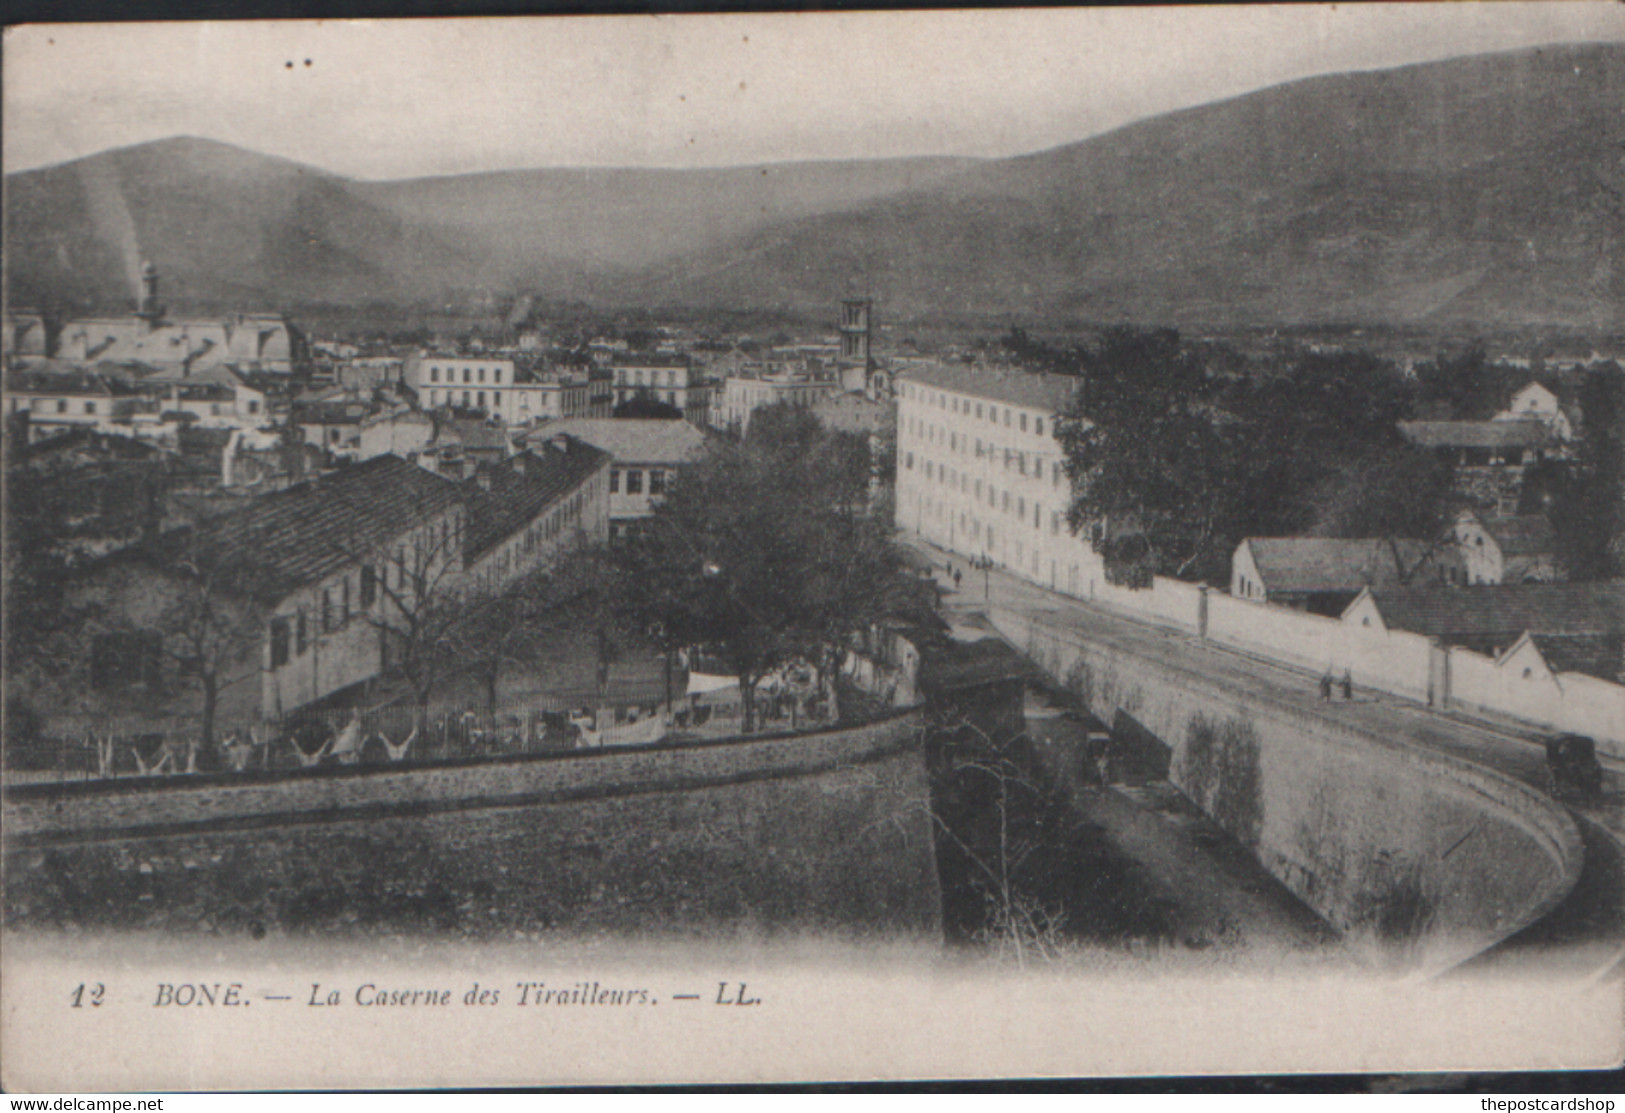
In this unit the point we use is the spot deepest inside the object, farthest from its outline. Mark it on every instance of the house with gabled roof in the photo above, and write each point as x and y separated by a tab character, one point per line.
1576	627
1537	402
646	455
303	587
523	510
1322	575
1513	548
59	397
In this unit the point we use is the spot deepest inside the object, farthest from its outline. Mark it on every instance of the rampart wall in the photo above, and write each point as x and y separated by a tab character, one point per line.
1423	858
821	832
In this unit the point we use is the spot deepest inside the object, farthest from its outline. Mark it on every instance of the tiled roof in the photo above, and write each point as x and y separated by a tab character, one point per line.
521	488
302	534
1018	388
1599	655
331	413
474	434
64	379
1295	565
1505	611
91	443
631	440
219	376
1477	434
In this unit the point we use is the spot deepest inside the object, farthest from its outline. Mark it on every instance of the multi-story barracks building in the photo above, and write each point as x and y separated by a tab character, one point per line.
980	473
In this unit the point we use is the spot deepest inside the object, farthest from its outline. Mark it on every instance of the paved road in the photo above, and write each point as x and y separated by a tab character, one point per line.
1592	916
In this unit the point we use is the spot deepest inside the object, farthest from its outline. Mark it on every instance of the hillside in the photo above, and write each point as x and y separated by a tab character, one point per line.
226	228
1482	190
1474	190
619	218
231	228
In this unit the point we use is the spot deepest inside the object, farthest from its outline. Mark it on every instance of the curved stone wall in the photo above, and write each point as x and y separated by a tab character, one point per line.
1417	858
826	832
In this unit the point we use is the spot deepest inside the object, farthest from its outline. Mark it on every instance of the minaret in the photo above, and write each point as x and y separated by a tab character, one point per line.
149	310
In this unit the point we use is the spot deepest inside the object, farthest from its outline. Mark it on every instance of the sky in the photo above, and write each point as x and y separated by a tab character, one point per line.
393	99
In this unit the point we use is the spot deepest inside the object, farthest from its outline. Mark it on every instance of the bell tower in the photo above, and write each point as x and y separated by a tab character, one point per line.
857	334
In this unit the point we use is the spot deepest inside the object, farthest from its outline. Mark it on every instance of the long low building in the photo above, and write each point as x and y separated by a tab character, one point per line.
980	472
646	455
318	587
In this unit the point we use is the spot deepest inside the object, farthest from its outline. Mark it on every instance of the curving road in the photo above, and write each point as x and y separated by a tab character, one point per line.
1584	936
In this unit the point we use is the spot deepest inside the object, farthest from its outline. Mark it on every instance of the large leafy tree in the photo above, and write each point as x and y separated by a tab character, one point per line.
764	551
1153	464
1171	466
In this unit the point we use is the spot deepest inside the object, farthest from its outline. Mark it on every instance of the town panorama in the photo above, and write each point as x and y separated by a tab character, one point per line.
1200	544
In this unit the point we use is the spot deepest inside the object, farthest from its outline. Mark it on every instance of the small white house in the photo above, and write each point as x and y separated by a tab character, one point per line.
1537	403
1506	549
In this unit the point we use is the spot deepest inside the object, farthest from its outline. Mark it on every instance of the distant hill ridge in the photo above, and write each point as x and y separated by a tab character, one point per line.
1479	190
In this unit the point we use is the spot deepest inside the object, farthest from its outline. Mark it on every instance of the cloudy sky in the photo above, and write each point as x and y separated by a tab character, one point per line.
397	99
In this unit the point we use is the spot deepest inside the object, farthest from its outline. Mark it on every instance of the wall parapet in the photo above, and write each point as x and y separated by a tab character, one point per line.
89	811
1394	661
1386	841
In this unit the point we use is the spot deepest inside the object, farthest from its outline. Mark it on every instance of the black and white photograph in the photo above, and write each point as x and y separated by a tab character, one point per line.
813	547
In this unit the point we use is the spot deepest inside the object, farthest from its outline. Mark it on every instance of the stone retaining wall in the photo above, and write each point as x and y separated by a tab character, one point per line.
1426	858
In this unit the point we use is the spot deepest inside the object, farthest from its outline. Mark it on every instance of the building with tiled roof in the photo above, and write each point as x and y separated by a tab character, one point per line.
260	341
1497	441
1489	459
1022	389
1324	574
1537	402
59	397
1515	548
305	586
1576	627
524	509
645	453
1491	618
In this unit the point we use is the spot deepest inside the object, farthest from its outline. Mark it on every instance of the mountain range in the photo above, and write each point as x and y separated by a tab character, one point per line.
1482	190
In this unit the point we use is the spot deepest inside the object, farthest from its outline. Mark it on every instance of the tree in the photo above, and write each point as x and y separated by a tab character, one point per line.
764	551
1171	467
996	818
514	626
1392	491
213	620
414	593
1150	459
1461	381
1585	497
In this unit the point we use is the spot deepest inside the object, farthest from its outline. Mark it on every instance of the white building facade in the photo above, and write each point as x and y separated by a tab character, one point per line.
742	396
980	473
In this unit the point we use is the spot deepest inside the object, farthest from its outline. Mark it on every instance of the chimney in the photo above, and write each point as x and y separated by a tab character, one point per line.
519	463
561	442
149	310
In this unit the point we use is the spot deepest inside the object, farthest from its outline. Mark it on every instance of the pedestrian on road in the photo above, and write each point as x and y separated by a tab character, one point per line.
956	579
1326	686
1348	686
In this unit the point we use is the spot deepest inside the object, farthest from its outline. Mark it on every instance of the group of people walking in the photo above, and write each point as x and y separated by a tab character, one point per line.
1327	683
